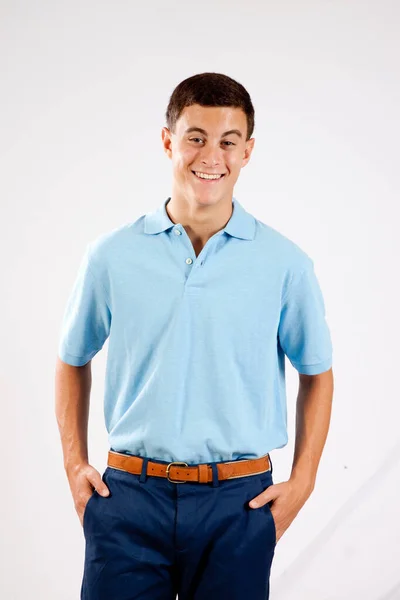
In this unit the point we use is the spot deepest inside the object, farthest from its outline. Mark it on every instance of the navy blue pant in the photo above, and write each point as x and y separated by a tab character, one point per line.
152	539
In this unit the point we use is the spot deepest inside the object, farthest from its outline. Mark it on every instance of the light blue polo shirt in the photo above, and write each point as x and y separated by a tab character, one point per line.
196	345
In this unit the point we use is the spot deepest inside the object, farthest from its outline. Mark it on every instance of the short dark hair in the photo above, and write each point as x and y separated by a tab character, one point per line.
209	89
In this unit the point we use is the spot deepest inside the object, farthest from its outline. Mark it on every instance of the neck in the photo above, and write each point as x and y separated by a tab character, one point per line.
200	220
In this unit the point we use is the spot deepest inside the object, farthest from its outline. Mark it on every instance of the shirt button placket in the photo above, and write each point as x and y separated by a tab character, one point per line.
188	260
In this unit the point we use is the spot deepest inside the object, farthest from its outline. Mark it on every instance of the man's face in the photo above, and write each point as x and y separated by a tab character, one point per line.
207	140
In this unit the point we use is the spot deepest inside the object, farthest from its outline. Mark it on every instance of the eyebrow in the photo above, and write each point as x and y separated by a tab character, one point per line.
203	131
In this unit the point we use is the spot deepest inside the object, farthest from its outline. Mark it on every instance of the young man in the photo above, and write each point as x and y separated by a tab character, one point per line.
201	303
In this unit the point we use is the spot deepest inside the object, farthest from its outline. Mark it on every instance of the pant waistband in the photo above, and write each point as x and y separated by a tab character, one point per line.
181	472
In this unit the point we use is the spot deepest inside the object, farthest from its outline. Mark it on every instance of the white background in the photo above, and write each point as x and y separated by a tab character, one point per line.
83	92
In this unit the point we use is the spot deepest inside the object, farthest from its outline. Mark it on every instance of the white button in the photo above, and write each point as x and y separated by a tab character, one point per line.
177	232
189	261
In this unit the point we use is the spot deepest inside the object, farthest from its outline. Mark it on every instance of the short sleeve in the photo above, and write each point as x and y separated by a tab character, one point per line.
303	331
87	317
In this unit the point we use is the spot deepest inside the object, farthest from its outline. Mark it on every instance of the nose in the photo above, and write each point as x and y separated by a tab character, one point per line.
211	157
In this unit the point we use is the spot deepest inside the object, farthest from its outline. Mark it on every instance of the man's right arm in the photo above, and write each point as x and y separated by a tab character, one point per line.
72	394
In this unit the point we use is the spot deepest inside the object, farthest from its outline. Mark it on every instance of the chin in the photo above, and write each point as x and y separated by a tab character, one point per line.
208	199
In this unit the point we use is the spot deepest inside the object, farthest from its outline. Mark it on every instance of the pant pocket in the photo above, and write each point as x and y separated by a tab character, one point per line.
85	512
265	480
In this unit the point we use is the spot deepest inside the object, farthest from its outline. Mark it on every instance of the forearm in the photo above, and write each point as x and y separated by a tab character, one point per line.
72	394
313	412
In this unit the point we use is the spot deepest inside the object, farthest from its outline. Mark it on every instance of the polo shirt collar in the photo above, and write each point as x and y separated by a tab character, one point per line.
240	225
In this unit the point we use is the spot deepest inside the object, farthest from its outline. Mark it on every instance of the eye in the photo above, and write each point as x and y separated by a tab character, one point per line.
193	139
231	143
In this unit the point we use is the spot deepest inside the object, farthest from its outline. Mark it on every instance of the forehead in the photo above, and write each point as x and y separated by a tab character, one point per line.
214	119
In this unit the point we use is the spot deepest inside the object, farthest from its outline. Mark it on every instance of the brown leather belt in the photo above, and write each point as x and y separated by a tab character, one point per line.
181	472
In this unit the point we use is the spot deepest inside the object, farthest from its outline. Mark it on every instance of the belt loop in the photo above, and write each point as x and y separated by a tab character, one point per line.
269	456
215	474
143	474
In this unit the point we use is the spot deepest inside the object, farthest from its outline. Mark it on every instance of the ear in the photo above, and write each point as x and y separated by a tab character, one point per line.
248	150
166	137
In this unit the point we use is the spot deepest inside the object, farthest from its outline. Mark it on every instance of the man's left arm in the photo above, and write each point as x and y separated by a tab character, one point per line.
304	336
313	413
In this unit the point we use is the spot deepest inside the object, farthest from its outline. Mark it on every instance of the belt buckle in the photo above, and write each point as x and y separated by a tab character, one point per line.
182	464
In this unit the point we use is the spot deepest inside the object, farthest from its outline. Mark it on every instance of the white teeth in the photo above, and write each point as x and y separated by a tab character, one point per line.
205	176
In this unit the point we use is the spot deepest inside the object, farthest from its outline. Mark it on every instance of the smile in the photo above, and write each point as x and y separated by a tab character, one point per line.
207	176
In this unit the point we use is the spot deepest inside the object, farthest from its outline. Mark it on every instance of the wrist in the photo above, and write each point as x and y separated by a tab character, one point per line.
73	467
303	481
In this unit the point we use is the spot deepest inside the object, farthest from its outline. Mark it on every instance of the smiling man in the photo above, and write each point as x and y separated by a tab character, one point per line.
201	302
208	148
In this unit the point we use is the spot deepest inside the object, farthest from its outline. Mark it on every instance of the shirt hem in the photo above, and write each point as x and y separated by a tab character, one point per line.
76	361
314	369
